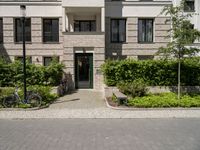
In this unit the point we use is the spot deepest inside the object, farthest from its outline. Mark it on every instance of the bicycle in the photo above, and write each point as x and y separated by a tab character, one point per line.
33	99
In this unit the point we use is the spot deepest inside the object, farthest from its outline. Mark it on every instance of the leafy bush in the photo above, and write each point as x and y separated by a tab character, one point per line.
153	72
134	88
53	73
5	92
44	92
165	100
12	74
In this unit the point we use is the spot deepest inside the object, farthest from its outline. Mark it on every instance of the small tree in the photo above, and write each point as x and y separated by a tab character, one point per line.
182	34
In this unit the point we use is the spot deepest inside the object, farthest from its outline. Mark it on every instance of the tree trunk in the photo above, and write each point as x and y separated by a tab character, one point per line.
179	78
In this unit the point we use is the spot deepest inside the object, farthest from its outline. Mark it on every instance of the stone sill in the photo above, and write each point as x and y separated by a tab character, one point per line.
83	33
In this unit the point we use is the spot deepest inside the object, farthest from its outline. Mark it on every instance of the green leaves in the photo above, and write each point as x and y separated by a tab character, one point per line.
165	100
153	72
135	88
44	92
182	33
11	74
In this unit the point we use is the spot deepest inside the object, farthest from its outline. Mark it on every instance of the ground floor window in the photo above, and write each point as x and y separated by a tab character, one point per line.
189	6
145	57
48	60
20	58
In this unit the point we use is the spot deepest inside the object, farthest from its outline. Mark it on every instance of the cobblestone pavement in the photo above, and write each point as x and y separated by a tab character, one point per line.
100	134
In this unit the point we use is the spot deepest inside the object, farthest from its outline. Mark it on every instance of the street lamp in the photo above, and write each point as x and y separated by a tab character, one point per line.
23	19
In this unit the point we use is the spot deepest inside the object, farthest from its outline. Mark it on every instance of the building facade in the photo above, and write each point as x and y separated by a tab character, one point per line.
83	34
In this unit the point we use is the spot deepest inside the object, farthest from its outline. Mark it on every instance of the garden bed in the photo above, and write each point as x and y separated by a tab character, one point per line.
44	91
163	100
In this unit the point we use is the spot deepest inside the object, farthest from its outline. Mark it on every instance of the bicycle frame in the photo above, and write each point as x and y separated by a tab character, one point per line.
33	99
17	95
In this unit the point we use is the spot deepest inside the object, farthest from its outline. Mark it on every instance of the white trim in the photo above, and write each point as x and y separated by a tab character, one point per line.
32	3
82	50
126	3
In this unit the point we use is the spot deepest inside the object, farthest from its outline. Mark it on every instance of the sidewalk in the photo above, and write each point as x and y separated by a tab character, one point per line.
99	113
90	104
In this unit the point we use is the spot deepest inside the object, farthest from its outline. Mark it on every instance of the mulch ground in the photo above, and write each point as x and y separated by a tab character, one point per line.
115	104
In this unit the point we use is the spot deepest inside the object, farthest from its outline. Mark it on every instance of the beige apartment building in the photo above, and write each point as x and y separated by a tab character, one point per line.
83	34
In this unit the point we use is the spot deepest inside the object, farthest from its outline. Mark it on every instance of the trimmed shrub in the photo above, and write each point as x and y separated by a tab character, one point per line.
11	74
136	88
153	72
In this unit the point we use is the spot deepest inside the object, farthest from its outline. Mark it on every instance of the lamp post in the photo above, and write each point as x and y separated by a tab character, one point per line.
23	19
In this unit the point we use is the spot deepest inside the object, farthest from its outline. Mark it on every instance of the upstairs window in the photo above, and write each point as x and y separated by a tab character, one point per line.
118	30
145	30
145	57
1	30
85	26
51	30
18	30
189	5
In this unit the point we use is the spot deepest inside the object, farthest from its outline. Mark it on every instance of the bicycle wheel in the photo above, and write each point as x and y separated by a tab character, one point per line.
34	100
9	101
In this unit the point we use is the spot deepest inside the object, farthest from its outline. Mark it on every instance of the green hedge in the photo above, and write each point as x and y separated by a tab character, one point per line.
11	74
153	72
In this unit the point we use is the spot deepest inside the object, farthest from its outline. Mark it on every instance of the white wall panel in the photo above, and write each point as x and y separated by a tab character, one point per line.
133	11
82	3
32	11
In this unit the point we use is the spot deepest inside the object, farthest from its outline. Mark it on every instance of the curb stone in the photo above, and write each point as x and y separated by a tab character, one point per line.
148	109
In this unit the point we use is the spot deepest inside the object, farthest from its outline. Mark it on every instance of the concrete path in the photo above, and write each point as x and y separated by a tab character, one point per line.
90	104
81	99
100	134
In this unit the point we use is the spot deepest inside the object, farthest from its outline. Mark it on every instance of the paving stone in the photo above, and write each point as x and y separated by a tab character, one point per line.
100	134
90	104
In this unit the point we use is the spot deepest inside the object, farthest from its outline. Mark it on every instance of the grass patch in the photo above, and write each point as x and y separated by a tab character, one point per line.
165	100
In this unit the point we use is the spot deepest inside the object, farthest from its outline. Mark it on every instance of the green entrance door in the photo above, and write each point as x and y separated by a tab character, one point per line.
84	70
